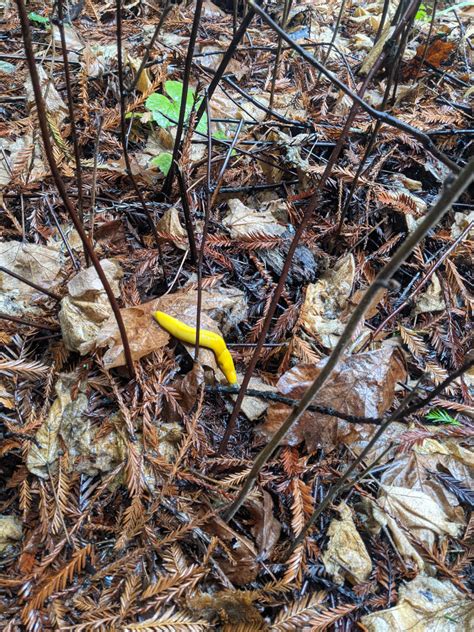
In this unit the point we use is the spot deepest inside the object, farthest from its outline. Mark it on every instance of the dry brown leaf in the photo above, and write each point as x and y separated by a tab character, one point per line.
266	529
436	53
362	385
171	224
326	300
243	567
346	556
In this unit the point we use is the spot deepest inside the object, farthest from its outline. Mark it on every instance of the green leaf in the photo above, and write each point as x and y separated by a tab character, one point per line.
175	90
421	13
36	17
164	109
159	105
163	162
202	125
442	417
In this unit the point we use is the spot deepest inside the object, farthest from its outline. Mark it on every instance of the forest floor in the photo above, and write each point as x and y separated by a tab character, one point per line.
139	491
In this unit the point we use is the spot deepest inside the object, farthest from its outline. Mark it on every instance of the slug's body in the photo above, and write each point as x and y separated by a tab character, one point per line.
207	339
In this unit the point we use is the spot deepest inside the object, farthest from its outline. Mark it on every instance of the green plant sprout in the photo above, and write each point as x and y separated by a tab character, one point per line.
40	19
421	14
165	112
442	416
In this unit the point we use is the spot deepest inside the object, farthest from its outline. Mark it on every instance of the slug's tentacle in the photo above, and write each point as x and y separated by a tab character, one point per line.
207	339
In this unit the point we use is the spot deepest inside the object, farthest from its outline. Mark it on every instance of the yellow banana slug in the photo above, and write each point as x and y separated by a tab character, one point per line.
207	339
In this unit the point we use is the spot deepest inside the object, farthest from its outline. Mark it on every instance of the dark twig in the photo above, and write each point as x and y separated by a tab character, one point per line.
75	262
150	45
276	64
205	229
328	410
335	31
450	193
72	118
30	323
182	108
225	164
226	59
43	123
422	282
30	283
123	136
187	214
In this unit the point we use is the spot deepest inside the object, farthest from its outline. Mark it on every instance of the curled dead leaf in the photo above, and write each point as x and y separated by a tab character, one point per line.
266	529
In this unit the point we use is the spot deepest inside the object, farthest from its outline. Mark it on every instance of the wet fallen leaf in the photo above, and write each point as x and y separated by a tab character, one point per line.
362	385
143	82
42	456
21	160
55	106
418	513
346	556
432	300
187	390
326	300
74	43
41	264
91	449
377	519
413	469
461	222
111	234
243	221
265	529
86	307
11	531
425	604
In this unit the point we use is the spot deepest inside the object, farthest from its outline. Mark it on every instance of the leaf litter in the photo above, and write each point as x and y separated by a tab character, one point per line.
113	486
